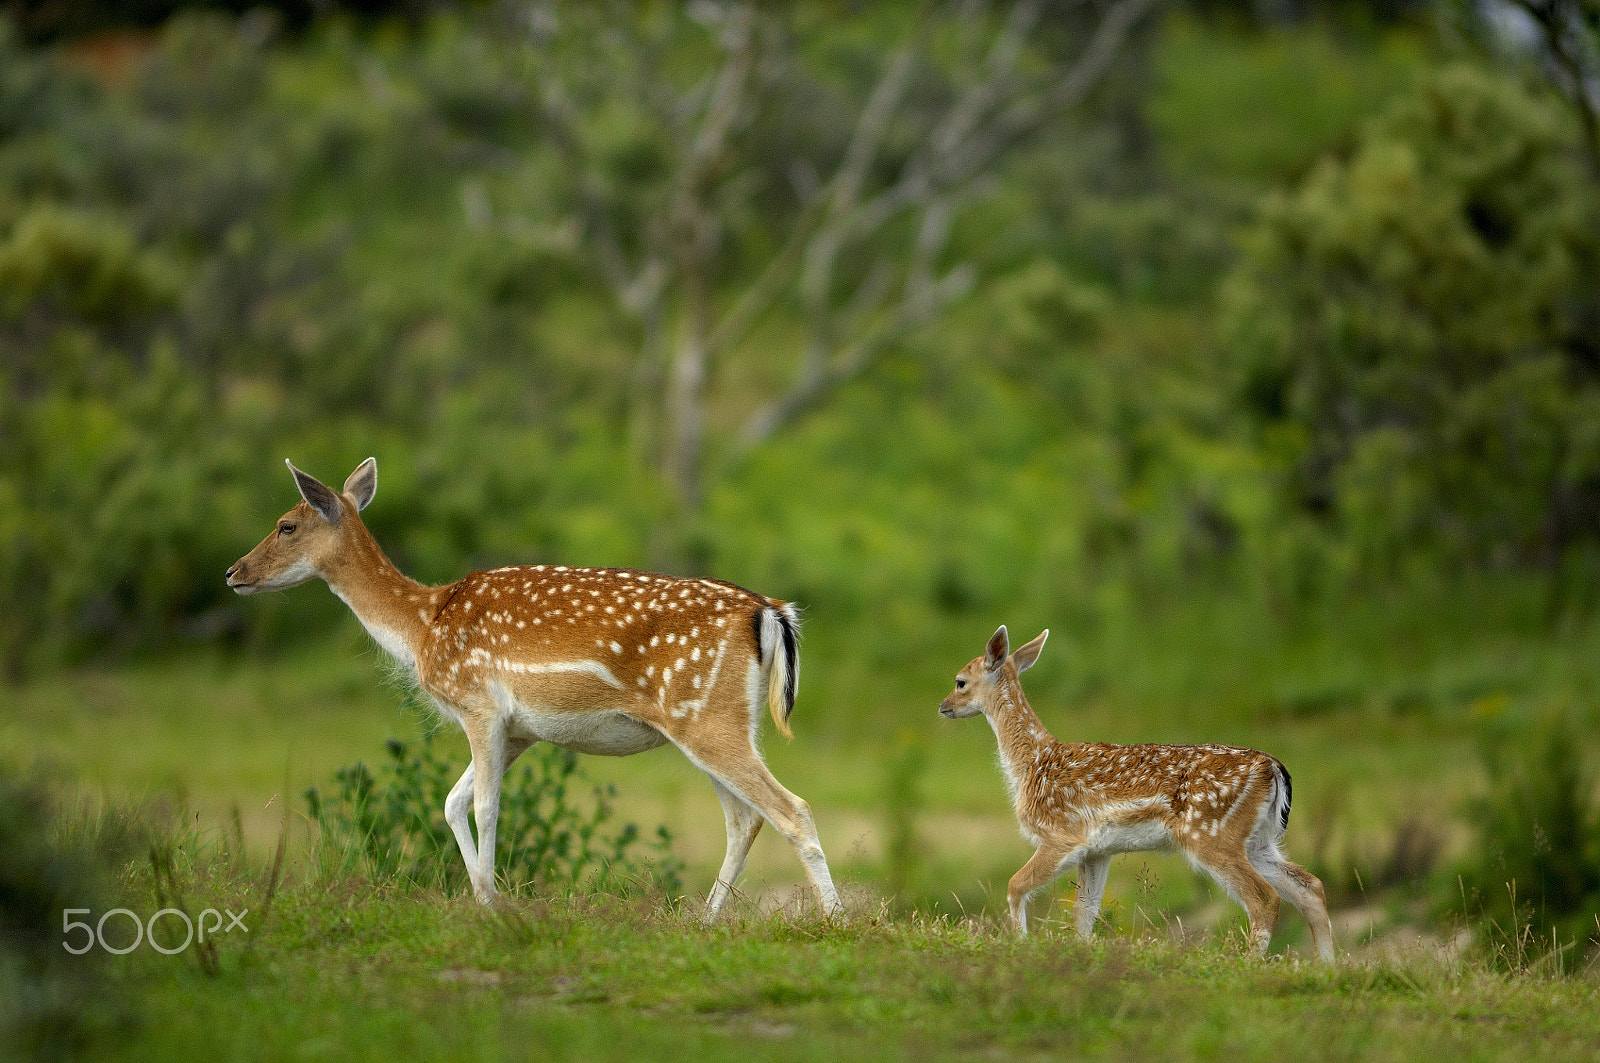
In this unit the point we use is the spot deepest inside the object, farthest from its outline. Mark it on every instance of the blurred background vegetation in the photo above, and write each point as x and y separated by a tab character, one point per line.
1252	347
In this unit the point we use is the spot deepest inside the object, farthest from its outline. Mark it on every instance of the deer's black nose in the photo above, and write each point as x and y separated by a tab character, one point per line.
228	575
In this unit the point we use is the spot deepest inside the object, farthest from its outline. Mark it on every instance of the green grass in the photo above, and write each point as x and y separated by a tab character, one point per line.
346	972
1377	709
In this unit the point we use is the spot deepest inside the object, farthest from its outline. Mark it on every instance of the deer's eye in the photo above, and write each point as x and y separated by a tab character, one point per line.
961	684
285	528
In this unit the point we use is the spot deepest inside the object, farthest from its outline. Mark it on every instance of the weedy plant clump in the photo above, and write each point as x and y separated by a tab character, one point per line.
556	826
1535	873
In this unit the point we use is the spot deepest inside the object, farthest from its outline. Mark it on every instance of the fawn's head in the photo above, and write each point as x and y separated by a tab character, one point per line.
978	682
309	535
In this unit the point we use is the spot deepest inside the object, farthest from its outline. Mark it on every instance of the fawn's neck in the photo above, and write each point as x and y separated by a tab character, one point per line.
396	610
1022	736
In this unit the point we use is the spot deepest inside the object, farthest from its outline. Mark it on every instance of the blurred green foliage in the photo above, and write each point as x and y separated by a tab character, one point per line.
1534	870
53	1004
1281	315
42	21
1420	331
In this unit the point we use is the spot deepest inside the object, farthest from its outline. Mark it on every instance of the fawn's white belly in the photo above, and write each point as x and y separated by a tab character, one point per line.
1111	838
607	733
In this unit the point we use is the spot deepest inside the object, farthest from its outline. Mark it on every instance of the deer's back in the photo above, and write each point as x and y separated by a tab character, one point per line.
615	634
1093	784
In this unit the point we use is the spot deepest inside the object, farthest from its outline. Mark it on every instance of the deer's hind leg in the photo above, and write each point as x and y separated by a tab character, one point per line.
720	741
1303	890
1233	871
741	772
743	823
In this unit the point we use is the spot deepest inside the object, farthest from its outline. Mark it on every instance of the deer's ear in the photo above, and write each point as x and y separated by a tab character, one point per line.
318	495
1026	655
363	483
999	646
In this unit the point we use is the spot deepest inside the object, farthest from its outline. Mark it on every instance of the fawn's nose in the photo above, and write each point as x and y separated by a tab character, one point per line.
228	575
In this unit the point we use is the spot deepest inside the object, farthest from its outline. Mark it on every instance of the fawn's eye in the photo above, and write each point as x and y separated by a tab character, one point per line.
961	684
285	528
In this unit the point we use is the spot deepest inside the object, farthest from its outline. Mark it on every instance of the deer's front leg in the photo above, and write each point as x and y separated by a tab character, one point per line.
456	807
460	802
487	740
1092	871
1045	867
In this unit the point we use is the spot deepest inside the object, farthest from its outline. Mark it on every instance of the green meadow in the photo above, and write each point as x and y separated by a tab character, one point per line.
1386	723
1251	349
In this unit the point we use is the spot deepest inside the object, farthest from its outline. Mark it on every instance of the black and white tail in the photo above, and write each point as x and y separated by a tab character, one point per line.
1283	794
778	643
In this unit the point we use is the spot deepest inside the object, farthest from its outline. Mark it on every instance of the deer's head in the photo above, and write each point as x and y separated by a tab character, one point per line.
978	683
309	536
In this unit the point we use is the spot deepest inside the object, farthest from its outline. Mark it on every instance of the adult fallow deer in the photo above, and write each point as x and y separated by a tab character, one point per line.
598	660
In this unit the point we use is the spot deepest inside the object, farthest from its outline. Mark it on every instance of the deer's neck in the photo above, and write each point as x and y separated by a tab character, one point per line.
395	609
1023	737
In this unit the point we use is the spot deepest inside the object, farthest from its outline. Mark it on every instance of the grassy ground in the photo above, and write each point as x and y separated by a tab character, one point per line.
1377	713
345	973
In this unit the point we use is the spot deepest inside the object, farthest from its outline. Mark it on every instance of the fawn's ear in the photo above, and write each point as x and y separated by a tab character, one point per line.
318	495
1026	655
363	483
999	646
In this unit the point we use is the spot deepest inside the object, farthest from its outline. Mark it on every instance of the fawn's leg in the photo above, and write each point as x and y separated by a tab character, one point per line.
1043	868
1303	890
1092	872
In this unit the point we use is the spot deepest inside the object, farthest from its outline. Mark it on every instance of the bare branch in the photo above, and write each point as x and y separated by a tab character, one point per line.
805	242
1565	27
978	128
689	235
812	389
666	276
1026	115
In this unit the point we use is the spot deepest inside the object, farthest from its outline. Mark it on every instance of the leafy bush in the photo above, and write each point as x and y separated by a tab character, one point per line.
391	825
1417	323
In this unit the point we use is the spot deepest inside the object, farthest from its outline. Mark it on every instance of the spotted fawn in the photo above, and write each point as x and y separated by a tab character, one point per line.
1081	803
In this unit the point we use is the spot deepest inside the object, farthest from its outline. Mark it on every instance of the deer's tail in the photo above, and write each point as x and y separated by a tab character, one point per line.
778	644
